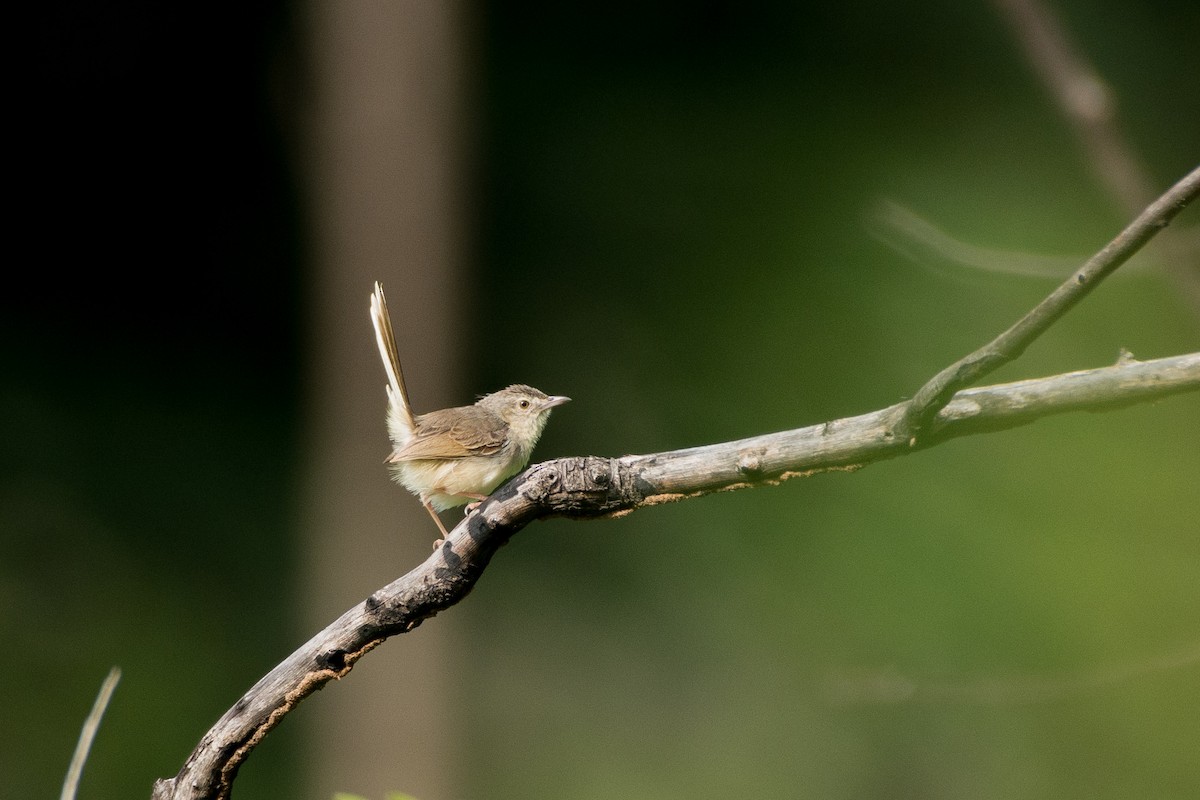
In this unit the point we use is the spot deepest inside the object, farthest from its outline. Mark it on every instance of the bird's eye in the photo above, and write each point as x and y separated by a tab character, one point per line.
524	404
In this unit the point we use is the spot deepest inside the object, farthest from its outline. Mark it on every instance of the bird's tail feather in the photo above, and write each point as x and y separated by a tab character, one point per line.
400	416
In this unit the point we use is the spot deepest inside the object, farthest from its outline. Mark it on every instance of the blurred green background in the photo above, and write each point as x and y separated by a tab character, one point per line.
670	223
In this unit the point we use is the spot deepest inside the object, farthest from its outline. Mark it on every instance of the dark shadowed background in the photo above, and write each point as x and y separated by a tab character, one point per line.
664	212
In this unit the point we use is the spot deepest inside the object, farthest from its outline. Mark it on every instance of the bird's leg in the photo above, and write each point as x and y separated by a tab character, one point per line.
479	498
437	520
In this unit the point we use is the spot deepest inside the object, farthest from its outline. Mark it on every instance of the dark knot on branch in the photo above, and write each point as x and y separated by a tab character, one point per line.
583	486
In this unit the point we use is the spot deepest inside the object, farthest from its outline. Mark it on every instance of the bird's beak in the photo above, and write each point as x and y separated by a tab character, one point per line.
555	400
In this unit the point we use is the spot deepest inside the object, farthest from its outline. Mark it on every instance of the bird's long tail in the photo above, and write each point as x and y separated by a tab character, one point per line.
400	417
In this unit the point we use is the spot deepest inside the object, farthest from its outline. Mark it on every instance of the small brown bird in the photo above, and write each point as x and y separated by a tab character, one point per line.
450	457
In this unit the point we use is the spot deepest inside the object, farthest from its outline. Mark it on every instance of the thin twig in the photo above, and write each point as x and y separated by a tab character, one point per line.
931	397
88	734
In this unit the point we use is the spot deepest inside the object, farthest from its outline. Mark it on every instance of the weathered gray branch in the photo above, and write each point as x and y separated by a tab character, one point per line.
592	487
857	441
586	487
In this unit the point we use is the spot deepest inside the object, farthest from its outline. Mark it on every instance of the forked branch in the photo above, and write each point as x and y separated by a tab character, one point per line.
934	395
589	487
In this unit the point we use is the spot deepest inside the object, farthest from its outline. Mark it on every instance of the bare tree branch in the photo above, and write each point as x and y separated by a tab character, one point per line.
931	397
854	442
588	487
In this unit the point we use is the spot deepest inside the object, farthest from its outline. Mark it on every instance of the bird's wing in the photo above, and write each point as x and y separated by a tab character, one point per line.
454	433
